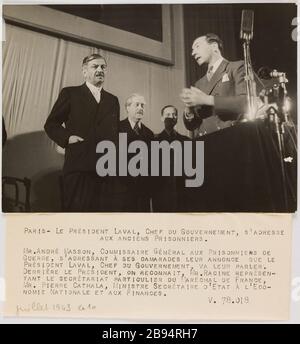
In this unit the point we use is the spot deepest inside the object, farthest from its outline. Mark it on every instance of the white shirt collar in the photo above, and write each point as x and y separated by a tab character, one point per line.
216	64
96	91
132	124
93	87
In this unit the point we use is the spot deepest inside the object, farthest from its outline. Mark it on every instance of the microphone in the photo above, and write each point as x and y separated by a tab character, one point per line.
267	73
247	20
264	73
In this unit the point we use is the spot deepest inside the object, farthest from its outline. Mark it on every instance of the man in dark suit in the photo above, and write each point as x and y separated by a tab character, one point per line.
168	195
80	118
169	116
217	102
219	98
137	190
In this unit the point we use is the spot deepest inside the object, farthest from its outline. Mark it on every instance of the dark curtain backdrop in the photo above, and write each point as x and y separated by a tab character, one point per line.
272	43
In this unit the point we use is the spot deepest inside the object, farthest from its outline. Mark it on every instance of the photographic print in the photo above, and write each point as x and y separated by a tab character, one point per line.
107	108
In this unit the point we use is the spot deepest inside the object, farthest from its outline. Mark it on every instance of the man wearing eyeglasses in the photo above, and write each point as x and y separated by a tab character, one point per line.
81	117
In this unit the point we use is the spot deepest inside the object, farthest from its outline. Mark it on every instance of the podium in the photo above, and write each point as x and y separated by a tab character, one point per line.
242	172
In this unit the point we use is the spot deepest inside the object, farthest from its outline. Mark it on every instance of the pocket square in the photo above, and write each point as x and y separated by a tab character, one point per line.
225	77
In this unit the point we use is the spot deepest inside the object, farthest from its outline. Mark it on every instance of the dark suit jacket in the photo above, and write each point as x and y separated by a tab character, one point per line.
77	108
175	136
168	190
138	185
146	134
228	87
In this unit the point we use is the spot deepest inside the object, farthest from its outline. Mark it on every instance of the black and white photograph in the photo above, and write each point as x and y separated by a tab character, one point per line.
149	108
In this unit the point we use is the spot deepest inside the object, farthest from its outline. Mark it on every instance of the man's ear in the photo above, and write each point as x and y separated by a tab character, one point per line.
162	118
215	46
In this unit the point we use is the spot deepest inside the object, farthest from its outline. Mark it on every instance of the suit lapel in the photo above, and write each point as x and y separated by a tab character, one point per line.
88	97
97	110
128	126
131	134
217	76
203	84
143	132
103	106
89	103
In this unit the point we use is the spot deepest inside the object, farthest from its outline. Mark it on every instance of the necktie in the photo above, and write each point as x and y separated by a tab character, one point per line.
136	128
99	95
209	73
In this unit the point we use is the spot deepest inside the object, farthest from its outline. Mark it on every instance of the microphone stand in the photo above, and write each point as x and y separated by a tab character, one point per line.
280	115
249	77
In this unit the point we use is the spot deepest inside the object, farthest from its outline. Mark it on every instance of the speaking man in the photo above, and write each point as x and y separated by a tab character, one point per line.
219	97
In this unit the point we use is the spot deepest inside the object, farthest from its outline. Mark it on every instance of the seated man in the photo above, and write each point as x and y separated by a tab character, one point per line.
168	195
219	97
136	197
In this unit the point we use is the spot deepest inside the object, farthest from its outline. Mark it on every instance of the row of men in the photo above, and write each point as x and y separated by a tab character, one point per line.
84	115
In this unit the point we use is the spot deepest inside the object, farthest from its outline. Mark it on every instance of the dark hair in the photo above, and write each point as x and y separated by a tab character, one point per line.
163	109
92	57
213	38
